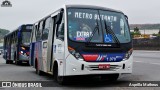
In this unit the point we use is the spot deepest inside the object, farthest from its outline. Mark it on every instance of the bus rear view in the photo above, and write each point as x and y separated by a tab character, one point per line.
16	45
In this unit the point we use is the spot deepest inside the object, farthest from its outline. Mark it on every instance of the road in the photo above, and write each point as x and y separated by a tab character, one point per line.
146	67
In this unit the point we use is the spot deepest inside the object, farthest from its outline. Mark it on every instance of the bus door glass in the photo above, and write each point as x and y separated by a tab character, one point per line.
58	48
43	34
47	42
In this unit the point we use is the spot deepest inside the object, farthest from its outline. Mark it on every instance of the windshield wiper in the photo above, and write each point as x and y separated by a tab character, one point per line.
110	31
94	31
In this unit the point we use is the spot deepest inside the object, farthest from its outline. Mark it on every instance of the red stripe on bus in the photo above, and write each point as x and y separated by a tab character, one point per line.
90	57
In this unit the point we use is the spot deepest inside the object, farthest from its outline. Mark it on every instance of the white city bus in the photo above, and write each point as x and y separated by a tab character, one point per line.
82	40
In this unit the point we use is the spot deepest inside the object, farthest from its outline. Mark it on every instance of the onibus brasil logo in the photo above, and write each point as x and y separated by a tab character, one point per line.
6	3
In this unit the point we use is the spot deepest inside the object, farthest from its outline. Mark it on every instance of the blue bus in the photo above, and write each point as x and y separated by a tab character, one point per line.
16	45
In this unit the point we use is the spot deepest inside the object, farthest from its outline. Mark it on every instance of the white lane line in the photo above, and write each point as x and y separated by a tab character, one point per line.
156	63
147	63
138	61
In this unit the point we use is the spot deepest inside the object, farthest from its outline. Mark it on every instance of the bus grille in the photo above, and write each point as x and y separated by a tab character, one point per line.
95	67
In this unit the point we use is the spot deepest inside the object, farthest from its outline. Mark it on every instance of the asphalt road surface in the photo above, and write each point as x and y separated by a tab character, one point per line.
146	67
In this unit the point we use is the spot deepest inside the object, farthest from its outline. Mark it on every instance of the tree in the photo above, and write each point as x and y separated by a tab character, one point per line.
154	34
158	33
136	31
132	34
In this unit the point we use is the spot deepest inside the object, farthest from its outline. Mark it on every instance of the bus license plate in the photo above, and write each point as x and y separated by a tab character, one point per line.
104	66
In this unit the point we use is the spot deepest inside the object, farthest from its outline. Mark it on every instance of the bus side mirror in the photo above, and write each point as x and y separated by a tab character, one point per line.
61	36
126	17
19	34
59	17
60	33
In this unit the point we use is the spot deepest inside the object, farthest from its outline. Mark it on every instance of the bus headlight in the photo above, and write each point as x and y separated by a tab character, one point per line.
128	54
23	48
21	52
75	54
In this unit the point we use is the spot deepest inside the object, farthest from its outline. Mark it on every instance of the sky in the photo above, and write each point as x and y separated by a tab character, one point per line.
30	11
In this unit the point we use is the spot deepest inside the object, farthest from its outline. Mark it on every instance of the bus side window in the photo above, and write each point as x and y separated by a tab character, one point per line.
35	33
122	27
31	38
60	30
46	29
39	31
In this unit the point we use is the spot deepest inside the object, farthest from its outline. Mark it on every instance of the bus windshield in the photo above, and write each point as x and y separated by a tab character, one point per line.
26	37
85	24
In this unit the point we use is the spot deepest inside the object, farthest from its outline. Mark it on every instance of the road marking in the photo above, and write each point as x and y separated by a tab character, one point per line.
138	61
156	63
147	63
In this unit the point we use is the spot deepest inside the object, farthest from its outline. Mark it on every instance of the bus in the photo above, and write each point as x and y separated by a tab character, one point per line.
82	40
16	45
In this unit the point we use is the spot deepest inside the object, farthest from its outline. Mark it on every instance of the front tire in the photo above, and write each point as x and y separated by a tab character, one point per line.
7	61
39	72
59	79
11	62
15	59
18	62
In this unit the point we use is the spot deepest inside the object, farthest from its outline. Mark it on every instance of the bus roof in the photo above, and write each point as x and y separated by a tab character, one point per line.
80	6
92	7
17	29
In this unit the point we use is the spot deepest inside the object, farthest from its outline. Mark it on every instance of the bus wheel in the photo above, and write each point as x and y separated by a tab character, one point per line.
11	62
110	77
59	79
7	61
39	72
17	62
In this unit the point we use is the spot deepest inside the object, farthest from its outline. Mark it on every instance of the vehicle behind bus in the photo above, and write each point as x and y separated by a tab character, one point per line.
82	40
16	45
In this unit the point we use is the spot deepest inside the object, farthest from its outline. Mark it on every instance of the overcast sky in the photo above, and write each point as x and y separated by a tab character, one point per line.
30	11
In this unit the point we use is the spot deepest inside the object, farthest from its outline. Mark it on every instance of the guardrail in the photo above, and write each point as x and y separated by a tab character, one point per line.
147	44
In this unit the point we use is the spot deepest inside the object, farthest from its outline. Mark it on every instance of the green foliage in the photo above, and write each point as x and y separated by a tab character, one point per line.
159	32
3	32
132	34
158	35
136	31
154	34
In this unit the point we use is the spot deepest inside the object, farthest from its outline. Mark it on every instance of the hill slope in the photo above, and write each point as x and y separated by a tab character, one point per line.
145	26
3	32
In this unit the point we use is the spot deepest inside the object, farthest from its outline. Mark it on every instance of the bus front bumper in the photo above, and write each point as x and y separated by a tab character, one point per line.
75	67
24	58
